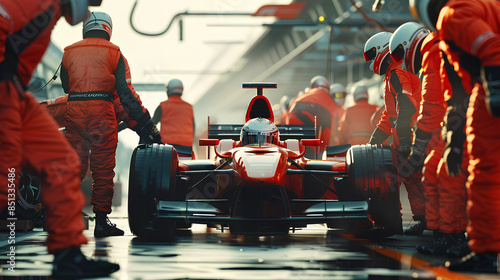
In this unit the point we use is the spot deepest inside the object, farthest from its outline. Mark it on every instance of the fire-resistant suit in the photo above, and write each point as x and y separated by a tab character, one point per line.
177	121
316	103
446	195
355	126
28	135
95	73
470	31
402	95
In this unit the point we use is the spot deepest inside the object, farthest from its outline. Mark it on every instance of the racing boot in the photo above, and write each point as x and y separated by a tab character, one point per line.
427	249
481	263
104	227
418	228
71	263
459	250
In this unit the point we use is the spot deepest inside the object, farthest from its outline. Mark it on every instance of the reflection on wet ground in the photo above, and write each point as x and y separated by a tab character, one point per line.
313	253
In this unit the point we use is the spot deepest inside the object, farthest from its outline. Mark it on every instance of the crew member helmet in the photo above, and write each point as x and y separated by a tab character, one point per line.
427	11
338	93
377	51
259	132
76	11
98	21
405	45
174	87
320	82
360	93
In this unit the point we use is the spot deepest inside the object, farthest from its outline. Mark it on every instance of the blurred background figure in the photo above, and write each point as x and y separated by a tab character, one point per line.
338	93
315	108
284	106
176	118
356	127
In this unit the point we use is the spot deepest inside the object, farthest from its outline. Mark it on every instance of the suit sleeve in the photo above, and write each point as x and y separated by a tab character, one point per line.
157	115
464	23
64	79
406	104
128	97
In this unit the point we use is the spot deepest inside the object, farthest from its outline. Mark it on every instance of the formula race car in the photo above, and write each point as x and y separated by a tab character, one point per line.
259	182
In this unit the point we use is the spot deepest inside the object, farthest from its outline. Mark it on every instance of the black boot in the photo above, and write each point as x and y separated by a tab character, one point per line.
418	228
482	263
104	227
459	250
428	249
71	263
444	243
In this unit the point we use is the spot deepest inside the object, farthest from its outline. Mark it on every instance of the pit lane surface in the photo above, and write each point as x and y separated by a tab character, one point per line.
312	253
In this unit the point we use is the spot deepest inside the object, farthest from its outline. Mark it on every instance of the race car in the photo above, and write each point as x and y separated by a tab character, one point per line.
259	182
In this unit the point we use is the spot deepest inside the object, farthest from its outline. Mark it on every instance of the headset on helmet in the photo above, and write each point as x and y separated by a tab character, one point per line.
377	51
76	11
360	93
174	87
320	82
427	11
259	132
98	21
405	45
338	93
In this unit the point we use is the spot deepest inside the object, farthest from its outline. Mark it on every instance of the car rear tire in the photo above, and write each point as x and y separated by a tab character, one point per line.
373	176
153	171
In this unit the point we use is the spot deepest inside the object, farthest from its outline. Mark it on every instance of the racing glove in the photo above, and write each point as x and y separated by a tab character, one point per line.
404	146
378	137
491	79
149	133
418	151
454	124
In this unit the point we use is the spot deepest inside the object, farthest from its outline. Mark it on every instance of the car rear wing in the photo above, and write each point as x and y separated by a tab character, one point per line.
232	131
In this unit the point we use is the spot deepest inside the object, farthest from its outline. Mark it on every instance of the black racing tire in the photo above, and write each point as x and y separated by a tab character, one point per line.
153	170
373	176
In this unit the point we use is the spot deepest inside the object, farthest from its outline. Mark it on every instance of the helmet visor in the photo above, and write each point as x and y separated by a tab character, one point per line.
398	53
370	54
259	139
339	94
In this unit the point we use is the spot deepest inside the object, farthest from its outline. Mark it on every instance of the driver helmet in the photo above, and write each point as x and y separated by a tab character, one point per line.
319	82
338	93
174	87
76	11
405	45
259	132
377	51
98	21
427	11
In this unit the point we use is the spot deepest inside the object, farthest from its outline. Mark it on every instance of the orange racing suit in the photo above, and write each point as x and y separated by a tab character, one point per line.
316	103
445	194
402	95
356	126
28	136
177	121
470	32
95	73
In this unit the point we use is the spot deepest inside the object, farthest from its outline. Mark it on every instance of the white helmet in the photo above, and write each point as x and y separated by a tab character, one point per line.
338	93
360	93
405	45
427	11
174	87
320	82
377	51
98	21
76	11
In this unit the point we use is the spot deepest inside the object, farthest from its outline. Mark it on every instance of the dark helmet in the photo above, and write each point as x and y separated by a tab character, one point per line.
259	132
76	11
